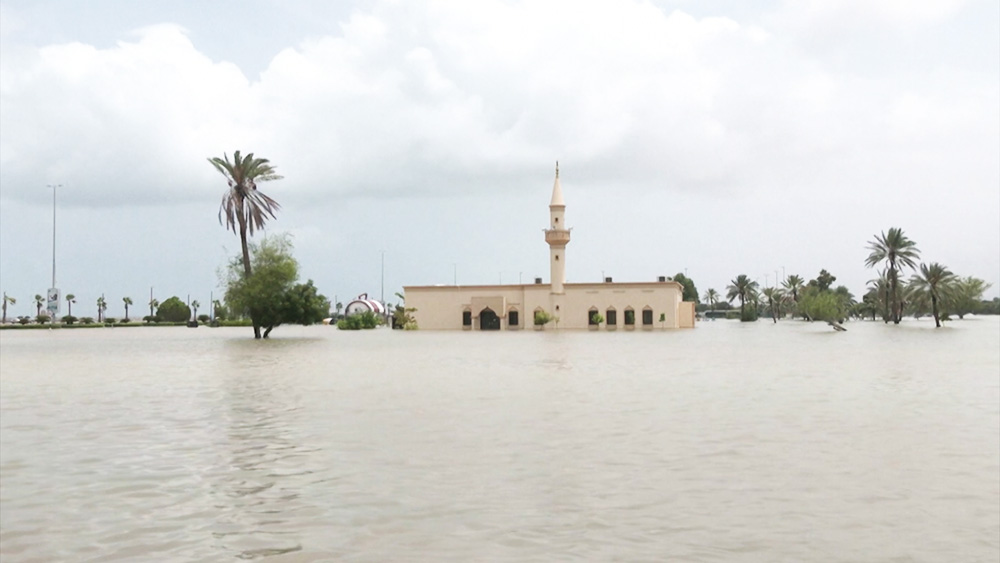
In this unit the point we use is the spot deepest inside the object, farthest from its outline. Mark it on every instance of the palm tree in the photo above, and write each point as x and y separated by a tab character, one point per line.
793	284
127	301
194	306
7	299
879	288
243	207
70	299
934	280
153	304
744	288
102	306
712	297
774	297
896	250
39	300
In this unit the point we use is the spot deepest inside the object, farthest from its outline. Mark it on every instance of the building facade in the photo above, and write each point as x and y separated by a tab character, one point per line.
622	306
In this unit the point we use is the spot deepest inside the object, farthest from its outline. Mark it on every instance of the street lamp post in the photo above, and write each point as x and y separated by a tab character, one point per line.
54	299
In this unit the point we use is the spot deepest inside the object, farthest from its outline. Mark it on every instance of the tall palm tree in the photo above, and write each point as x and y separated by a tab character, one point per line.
194	306
712	297
774	297
879	287
7	299
39	300
793	284
70	299
244	207
934	280
102	306
153	304
896	250
127	301
744	288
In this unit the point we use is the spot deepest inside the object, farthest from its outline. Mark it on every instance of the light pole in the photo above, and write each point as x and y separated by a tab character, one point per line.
54	299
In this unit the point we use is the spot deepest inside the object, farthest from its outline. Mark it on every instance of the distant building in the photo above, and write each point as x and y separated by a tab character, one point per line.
364	305
623	306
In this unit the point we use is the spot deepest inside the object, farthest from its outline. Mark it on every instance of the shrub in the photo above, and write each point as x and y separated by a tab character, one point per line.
24	320
173	310
109	320
126	320
149	319
204	318
87	320
42	319
69	319
366	320
542	318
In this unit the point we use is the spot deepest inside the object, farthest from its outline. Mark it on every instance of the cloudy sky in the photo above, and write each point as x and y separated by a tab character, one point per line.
713	137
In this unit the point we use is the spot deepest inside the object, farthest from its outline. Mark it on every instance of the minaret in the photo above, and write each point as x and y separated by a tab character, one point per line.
557	235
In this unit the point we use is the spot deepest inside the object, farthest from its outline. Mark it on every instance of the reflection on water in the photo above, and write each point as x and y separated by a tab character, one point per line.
731	442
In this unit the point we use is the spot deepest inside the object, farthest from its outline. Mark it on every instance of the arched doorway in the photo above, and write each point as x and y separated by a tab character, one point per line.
488	320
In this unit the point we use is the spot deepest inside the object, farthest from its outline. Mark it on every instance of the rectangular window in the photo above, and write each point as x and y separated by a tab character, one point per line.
647	316
512	319
630	317
466	318
592	318
612	317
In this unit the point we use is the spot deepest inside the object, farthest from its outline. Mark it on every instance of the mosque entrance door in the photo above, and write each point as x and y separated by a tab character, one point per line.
488	320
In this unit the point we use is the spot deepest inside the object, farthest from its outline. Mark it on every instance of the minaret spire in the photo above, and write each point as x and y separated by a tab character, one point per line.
557	236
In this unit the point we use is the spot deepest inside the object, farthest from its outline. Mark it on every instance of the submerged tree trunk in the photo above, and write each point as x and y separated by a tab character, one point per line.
246	264
934	307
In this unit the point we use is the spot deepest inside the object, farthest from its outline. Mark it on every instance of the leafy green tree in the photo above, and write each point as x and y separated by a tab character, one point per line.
128	302
70	299
823	281
244	207
7	299
933	281
690	291
269	295
173	310
712	297
43	318
745	290
219	310
818	305
39	301
966	296
896	250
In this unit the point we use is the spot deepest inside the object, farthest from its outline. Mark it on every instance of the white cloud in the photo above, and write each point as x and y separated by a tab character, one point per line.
409	102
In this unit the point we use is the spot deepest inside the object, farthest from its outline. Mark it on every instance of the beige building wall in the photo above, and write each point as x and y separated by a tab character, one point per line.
442	307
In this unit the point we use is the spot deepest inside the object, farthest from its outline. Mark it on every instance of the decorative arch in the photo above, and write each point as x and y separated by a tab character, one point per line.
629	316
488	320
590	316
647	316
513	317
611	317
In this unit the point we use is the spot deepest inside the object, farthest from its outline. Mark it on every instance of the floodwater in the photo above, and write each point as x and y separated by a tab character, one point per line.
730	442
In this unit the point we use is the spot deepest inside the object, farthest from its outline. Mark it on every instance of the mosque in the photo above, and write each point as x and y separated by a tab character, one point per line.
581	306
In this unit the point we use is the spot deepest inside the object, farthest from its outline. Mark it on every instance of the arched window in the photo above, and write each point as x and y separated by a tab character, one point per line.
647	316
629	316
513	318
592	316
611	316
